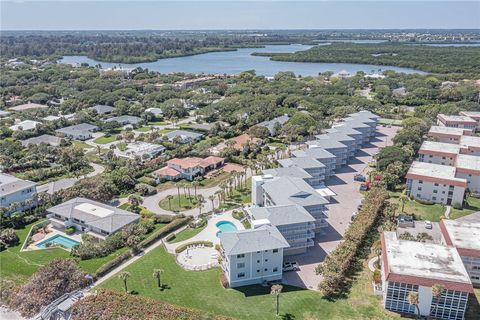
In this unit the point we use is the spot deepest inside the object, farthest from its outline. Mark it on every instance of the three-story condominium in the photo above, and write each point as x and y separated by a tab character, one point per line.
447	134
436	183
252	256
338	149
453	121
475	115
322	156
411	266
16	192
464	236
313	167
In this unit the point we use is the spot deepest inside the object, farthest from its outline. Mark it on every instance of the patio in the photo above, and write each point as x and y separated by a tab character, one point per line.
198	257
48	232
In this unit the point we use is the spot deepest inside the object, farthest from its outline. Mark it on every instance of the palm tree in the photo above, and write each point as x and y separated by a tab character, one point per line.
276	290
200	203
124	276
403	199
437	290
219	195
212	199
169	198
412	299
195	184
157	273
178	191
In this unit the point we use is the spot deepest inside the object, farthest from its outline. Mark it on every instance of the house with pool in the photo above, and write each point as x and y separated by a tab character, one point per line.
89	216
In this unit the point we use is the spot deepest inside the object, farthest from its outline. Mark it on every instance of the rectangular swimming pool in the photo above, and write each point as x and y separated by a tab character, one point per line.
58	240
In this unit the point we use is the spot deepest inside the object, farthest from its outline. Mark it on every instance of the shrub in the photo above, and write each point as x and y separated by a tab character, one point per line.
224	280
70	230
198	223
170	237
47	284
425	202
172	226
164	218
8	237
108	304
145	189
457	206
193	243
109	266
377	276
239	215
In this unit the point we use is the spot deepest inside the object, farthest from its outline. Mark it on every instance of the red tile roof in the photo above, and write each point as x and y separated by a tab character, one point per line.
208	161
185	163
166	171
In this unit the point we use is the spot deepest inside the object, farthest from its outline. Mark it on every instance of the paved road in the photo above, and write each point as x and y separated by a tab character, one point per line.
340	210
66	183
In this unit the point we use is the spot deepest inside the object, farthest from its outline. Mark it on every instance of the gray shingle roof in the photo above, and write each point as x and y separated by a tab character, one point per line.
326	144
301	162
337	136
289	190
252	240
316	153
45	138
78	128
102	109
270	124
345	130
282	215
295	172
111	222
125	119
183	134
10	184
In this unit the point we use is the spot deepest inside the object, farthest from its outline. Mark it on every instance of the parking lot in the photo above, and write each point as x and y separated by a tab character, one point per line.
340	210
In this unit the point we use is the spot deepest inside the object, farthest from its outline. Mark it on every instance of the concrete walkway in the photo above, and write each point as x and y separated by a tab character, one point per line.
448	209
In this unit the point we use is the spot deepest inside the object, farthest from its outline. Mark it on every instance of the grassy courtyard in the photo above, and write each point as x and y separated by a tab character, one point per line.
470	206
178	203
105	139
186	234
202	290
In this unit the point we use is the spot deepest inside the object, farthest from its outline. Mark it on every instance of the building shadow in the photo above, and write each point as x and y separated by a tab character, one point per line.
334	181
355	161
361	153
260	290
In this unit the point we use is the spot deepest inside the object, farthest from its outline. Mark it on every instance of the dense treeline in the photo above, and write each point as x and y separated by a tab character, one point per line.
420	57
130	48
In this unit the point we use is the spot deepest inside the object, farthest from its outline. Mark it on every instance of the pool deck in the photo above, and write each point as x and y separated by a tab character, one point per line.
77	236
210	231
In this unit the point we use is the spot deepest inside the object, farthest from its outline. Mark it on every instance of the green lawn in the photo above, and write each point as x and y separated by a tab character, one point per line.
202	290
185	203
431	212
392	122
81	144
144	129
470	206
19	266
105	140
204	183
186	234
158	123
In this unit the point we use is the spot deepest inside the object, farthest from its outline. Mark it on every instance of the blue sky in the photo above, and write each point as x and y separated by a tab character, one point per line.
229	14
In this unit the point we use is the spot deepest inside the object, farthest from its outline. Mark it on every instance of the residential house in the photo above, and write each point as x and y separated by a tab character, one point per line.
102	109
28	106
156	112
188	168
82	131
16	192
143	150
44	138
124	120
26	125
184	136
272	124
89	216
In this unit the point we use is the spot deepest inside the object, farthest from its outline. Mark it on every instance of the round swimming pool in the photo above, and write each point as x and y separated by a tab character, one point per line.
225	226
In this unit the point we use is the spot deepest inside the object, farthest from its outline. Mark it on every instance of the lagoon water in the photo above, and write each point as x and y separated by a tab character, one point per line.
234	62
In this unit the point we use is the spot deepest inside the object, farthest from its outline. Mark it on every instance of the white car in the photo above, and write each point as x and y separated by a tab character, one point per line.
428	224
290	266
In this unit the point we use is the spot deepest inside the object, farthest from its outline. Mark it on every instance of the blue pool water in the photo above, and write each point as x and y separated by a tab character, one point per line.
225	226
59	239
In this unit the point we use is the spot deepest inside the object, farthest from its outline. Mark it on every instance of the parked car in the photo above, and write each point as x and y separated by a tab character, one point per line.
428	224
290	266
354	215
405	221
359	177
364	187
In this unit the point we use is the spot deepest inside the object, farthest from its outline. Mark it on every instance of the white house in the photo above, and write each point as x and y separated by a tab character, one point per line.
25	125
16	191
252	256
82	131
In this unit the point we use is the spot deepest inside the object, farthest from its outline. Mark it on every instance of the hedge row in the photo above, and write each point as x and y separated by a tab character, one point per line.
112	264
172	226
193	243
337	266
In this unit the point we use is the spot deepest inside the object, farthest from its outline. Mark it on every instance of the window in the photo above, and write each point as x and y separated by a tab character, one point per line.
258	270
435	191
435	184
420	181
240	265
266	269
275	269
434	198
239	256
275	250
241	275
258	261
419	188
266	260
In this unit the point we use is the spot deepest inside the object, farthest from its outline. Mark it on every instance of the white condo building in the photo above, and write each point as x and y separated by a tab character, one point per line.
410	266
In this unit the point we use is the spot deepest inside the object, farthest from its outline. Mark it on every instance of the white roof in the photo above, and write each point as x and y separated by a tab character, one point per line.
433	170
470	141
446	130
434	146
424	260
26	125
465	235
93	209
466	161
